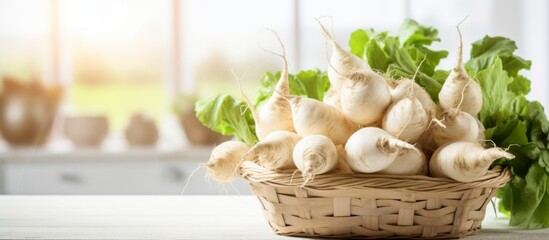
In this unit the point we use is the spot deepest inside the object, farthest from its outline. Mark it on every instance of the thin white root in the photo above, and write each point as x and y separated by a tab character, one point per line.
437	122
293	175
458	108
329	37
508	147
248	102
418	67
202	165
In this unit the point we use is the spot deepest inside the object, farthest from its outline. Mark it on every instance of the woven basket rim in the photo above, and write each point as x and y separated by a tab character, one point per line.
252	172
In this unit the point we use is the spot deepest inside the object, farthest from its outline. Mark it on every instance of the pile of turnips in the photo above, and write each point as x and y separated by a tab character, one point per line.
366	123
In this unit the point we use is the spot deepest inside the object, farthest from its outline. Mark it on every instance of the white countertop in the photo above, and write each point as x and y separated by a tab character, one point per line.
163	217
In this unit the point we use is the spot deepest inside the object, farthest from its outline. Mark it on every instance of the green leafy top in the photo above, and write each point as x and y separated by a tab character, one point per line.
310	83
514	122
412	33
225	115
484	52
399	56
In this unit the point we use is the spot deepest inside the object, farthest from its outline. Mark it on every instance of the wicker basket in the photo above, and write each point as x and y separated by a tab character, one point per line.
372	206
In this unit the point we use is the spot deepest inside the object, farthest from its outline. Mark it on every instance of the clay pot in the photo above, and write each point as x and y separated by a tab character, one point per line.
141	131
197	133
86	131
27	112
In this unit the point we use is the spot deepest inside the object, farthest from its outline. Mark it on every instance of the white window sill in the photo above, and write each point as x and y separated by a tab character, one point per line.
113	148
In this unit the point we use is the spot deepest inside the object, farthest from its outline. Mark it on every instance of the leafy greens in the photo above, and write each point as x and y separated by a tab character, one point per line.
399	56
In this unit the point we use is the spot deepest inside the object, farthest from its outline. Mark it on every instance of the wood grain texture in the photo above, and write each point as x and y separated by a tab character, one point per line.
162	217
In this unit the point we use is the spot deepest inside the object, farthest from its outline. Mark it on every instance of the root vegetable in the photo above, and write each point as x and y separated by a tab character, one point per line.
459	90
341	62
312	117
411	162
401	88
406	119
224	161
275	114
459	126
315	154
464	161
372	149
365	97
275	151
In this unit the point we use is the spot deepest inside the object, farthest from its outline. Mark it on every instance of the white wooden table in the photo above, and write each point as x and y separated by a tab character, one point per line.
163	217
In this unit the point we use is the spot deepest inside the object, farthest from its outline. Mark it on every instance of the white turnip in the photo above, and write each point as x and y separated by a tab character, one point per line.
459	90
275	114
224	161
458	126
341	62
274	152
412	162
372	149
401	88
406	119
464	161
365	97
312	117
314	154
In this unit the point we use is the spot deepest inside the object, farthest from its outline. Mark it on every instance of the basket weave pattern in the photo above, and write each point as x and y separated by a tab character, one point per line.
372	206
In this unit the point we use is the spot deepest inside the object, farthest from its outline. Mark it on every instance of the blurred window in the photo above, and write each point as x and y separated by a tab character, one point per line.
116	52
223	35
25	39
118	57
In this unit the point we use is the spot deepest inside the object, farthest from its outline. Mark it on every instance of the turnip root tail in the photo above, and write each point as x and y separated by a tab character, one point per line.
342	62
315	154
336	50
459	61
274	152
224	161
275	114
329	36
283	85
496	153
393	145
313	162
246	99
464	161
459	90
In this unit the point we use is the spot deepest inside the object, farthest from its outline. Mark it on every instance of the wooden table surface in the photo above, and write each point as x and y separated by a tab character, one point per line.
163	217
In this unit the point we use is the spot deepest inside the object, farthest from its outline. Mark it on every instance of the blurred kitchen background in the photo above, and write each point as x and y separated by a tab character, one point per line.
97	95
